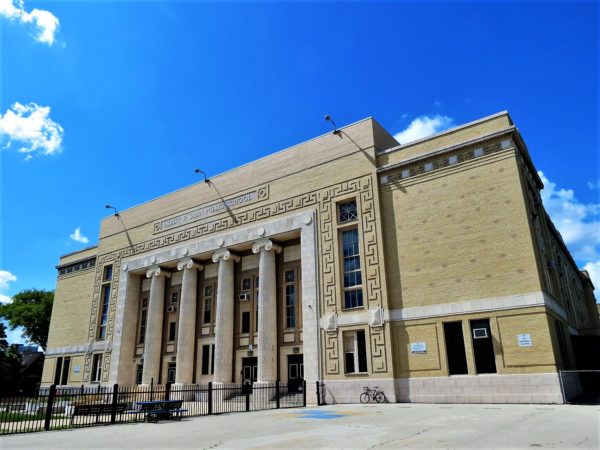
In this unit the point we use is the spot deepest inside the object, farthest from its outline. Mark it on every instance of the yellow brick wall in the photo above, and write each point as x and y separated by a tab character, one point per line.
71	309
457	234
505	327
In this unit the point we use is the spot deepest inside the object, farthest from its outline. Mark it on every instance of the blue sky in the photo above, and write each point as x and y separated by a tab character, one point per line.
118	102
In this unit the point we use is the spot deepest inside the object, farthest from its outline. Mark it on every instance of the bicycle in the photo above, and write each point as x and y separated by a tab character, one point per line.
372	394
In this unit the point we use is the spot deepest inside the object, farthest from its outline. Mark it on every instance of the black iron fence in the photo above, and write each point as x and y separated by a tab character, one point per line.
67	407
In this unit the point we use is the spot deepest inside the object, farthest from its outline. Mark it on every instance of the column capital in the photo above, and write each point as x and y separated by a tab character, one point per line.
188	263
156	271
225	255
266	244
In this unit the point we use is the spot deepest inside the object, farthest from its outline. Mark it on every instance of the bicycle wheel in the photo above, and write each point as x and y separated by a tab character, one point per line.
364	397
380	398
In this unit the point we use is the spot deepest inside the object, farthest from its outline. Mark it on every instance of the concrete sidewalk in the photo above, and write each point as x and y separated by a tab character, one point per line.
388	426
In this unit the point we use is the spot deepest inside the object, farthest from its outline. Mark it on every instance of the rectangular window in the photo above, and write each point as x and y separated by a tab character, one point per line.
452	159
139	371
172	330
58	370
355	352
289	279
171	373
428	167
107	274
104	312
245	322
405	173
208	359
353	295
65	371
96	367
143	321
347	212
207	312
174	297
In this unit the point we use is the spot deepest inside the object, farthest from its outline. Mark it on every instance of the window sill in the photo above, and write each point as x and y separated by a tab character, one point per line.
357	374
354	308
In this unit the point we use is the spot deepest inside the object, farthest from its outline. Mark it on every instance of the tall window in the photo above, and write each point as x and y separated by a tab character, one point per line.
104	311
97	367
171	373
355	352
143	321
289	280
256	283
353	295
208	297
246	322
172	331
208	359
139	371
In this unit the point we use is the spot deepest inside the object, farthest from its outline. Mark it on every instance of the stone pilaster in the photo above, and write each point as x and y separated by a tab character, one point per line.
224	321
187	321
154	324
267	310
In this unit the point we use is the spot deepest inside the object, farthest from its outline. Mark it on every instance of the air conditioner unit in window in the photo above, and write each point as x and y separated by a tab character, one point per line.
244	297
172	309
480	333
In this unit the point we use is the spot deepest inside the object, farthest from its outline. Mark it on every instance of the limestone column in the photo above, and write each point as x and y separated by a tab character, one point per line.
154	324
186	335
267	310
224	321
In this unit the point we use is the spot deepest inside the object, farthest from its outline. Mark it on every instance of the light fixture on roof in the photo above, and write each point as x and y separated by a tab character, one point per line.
329	119
206	180
112	207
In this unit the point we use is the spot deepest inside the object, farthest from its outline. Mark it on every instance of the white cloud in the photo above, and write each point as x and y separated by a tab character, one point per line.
5	278
30	127
578	223
594	185
45	23
78	237
424	126
593	269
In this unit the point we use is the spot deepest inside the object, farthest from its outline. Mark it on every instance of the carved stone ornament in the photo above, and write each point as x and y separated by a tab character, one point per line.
376	318
188	263
307	219
266	244
156	271
225	255
330	322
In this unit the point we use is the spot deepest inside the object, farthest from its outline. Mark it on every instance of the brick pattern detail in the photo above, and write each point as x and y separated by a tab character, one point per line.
378	354
441	161
332	353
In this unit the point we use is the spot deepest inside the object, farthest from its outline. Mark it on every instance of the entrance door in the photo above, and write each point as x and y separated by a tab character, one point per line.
249	369
455	348
483	348
295	372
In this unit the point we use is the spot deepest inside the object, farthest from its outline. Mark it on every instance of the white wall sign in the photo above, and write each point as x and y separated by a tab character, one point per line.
418	347
524	340
77	369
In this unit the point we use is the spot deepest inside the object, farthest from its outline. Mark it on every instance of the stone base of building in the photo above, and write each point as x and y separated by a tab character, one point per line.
542	388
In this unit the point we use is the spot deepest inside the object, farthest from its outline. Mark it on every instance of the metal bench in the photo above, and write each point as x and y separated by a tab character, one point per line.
161	409
97	410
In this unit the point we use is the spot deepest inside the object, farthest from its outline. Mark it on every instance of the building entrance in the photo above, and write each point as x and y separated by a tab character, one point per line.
249	369
295	372
455	348
483	348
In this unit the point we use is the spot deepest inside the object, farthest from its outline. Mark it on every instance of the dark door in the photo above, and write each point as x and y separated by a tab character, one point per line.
455	348
295	372
249	369
483	348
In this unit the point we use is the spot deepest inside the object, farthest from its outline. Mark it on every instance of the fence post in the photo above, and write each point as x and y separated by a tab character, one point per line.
247	399
168	391
51	395
210	397
115	398
303	392
318	394
277	392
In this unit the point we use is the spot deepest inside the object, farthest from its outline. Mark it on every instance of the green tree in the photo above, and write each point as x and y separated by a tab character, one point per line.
30	309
